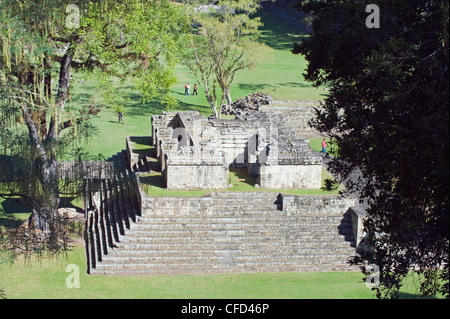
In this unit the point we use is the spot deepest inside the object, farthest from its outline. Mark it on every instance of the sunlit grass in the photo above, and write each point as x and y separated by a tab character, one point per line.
46	279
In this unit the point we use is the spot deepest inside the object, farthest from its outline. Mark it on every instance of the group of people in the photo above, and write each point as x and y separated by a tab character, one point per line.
187	89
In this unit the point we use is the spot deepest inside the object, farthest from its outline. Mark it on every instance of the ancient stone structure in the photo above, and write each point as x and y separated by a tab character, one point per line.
131	232
196	152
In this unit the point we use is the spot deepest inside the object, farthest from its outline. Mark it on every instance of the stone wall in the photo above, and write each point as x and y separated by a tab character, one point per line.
193	177
358	214
316	205
290	176
160	121
133	157
296	115
211	204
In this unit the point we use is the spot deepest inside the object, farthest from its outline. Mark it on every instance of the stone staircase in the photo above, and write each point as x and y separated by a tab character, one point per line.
223	232
116	207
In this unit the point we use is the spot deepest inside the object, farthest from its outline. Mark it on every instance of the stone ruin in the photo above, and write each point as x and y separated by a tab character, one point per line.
197	153
250	102
132	232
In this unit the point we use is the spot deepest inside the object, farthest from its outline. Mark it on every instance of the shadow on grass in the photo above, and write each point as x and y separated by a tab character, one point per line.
255	87
142	140
241	179
278	34
270	87
155	106
156	180
13	213
407	295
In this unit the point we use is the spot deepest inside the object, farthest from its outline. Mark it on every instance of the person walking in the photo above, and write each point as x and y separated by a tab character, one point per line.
188	89
324	146
195	89
120	115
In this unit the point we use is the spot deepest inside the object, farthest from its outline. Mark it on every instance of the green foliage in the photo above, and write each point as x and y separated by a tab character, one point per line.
387	112
45	42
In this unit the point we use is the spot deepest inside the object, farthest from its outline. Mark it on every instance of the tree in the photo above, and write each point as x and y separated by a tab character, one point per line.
223	46
48	40
388	112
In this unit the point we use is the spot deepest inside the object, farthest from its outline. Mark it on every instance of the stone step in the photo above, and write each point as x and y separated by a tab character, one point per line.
162	269
249	226
224	258
249	214
234	217
235	238
149	231
202	261
249	250
224	238
204	207
233	266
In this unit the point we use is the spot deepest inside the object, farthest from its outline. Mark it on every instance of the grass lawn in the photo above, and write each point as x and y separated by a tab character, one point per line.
47	280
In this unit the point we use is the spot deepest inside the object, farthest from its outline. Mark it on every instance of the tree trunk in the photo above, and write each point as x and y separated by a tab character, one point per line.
211	102
43	192
221	106
205	76
227	94
45	197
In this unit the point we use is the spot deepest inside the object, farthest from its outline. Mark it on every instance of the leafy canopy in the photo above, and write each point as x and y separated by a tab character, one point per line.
388	111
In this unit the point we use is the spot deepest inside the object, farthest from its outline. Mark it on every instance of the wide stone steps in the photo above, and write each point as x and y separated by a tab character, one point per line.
143	231
149	231
165	245
211	259
189	250
223	232
162	268
236	217
229	209
231	237
249	254
255	232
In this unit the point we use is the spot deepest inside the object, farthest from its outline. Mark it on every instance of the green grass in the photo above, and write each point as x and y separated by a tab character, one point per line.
46	279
